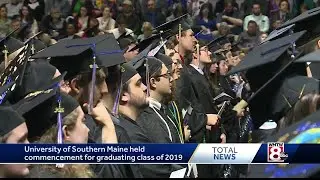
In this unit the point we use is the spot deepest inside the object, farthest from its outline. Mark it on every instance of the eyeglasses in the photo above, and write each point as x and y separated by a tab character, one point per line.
166	75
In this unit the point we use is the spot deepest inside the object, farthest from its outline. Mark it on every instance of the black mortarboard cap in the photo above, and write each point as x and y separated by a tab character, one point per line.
9	45
272	63
154	39
311	57
291	90
76	56
127	71
135	62
176	25
15	70
309	21
266	53
279	33
9	120
166	60
301	132
154	65
36	44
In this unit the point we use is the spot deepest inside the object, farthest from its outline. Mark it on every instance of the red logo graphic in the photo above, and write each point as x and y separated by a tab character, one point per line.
276	152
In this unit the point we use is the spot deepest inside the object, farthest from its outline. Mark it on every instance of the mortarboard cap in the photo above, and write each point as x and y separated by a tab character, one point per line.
15	71
135	62
41	108
9	120
127	71
76	56
311	57
309	21
291	90
279	33
266	53
176	26
272	64
8	46
302	132
166	60
154	65
36	44
154	39
79	56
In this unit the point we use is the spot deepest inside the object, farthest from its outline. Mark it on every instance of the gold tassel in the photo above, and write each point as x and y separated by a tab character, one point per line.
302	90
287	101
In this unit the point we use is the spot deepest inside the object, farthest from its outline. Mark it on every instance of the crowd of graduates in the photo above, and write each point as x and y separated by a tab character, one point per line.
181	82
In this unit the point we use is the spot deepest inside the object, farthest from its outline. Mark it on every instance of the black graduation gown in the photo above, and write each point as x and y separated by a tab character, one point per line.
138	135
111	170
185	99
158	128
203	92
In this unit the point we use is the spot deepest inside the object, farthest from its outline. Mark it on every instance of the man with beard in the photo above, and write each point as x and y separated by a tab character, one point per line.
132	101
250	38
77	60
261	20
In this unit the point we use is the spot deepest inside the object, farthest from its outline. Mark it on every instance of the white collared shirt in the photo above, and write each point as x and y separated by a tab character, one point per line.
197	68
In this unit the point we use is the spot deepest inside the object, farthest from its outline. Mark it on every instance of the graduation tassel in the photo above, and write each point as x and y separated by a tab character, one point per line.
93	78
59	110
147	78
115	109
302	90
6	60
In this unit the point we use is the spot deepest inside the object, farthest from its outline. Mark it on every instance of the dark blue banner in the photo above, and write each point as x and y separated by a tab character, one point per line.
96	153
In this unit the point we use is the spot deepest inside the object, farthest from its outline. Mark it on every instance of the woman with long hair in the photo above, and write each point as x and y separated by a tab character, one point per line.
74	130
28	19
83	18
206	19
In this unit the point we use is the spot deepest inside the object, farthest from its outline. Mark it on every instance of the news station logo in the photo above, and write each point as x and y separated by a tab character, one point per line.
276	152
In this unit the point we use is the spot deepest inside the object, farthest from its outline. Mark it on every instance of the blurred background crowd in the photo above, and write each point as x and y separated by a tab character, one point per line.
247	21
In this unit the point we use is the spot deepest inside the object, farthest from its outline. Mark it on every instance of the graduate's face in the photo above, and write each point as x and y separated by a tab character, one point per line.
213	68
136	95
205	55
223	67
188	40
16	136
176	66
79	133
129	55
162	82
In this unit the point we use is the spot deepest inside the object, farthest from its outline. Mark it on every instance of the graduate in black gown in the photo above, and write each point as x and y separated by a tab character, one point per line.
154	119
77	60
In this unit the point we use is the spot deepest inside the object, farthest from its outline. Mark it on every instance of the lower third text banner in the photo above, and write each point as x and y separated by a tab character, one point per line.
159	153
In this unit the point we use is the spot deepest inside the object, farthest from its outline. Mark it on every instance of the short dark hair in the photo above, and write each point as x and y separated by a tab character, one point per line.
256	3
252	22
